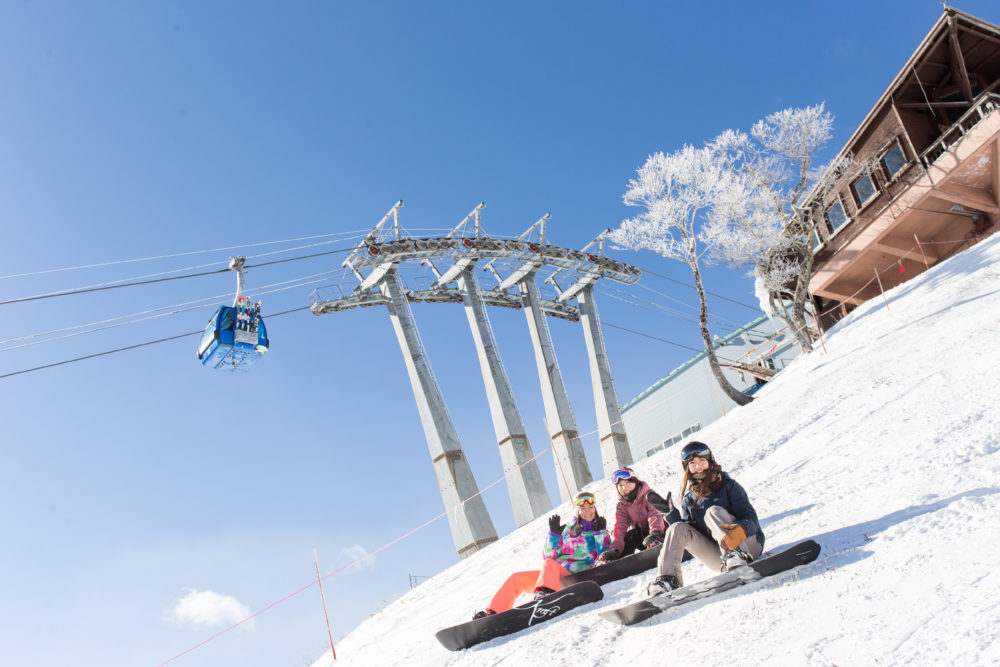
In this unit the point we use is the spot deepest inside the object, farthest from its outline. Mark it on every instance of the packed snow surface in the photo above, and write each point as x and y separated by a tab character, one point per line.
883	448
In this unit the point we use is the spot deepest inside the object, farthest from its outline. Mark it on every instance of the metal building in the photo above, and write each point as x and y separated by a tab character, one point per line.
689	398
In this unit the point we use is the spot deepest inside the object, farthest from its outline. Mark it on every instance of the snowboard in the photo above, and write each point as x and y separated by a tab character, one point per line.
617	569
519	618
801	553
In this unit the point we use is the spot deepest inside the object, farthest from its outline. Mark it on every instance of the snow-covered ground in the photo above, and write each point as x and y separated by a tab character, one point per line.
884	449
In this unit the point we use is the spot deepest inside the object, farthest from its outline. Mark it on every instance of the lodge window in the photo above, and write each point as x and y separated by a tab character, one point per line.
675	439
894	160
864	189
836	216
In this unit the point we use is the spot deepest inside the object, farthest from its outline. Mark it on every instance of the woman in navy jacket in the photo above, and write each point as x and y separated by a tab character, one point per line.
718	524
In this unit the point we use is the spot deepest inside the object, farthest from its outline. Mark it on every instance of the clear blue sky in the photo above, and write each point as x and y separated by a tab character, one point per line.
132	130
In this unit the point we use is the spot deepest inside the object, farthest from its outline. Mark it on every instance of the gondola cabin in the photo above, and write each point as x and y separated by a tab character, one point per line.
234	338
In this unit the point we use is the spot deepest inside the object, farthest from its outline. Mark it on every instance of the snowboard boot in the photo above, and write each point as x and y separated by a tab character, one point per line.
662	585
541	592
482	614
734	558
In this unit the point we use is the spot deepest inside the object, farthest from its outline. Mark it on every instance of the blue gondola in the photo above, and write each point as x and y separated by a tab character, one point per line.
235	336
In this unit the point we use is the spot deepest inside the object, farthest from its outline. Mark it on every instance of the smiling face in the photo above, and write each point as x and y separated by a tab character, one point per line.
697	464
625	486
588	511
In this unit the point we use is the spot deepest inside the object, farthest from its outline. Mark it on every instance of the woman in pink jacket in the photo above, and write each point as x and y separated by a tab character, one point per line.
639	522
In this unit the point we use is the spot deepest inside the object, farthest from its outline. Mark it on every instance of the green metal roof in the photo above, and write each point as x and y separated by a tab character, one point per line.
692	361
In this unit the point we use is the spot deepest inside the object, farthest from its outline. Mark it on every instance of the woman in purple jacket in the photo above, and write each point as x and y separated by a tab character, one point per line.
639	522
567	549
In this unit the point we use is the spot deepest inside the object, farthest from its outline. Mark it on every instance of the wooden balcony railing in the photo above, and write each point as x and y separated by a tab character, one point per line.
983	107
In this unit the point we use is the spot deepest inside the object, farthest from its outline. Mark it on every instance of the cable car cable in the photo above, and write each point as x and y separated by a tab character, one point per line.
182	254
691	286
215	297
160	280
129	347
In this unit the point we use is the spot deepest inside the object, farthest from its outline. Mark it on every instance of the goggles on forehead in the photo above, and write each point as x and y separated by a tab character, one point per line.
620	474
585	498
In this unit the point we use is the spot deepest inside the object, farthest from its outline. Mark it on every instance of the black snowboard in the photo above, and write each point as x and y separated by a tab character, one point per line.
513	620
616	569
801	553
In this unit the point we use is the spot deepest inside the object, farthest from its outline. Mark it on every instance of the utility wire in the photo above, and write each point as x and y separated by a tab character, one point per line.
689	285
662	340
85	290
299	282
183	254
638	301
295	310
129	347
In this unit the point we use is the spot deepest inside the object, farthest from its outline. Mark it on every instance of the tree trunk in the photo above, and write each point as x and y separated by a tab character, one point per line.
802	334
732	392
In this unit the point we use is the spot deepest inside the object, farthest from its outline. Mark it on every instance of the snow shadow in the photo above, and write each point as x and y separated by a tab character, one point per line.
843	542
840	547
784	515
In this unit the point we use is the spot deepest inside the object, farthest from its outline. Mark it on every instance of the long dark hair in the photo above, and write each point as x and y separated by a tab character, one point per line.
711	483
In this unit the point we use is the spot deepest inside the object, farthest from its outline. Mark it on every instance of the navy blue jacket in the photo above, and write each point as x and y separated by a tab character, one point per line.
730	496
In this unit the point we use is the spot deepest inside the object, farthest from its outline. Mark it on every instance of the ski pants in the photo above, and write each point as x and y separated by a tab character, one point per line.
527	582
683	536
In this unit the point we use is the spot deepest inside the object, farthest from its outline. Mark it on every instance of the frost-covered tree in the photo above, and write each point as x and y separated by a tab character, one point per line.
758	219
676	190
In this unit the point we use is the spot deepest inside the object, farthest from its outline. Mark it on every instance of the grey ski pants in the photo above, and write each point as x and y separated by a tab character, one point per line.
683	536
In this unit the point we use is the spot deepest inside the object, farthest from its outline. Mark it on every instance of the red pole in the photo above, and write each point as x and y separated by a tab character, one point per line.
323	597
555	455
820	332
926	265
879	279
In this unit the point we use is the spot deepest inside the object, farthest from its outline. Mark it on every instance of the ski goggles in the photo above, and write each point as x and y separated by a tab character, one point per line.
695	450
585	498
620	474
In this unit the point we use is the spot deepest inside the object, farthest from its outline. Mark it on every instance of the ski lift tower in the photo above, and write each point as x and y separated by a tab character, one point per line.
471	526
381	254
615	450
525	486
587	269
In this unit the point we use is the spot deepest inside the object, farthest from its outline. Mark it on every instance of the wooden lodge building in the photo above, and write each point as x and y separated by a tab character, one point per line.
925	180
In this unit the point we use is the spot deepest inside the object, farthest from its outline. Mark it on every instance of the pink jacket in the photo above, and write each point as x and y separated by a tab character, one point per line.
636	514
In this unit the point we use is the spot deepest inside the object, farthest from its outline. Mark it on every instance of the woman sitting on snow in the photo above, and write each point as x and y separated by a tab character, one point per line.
571	548
639	516
719	526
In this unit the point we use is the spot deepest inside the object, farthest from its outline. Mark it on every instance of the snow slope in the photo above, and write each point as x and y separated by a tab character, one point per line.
884	448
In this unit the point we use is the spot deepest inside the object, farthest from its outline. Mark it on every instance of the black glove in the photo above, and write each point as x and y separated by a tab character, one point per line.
609	555
653	540
555	526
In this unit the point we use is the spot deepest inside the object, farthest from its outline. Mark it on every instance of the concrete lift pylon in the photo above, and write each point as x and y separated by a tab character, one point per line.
528	496
615	450
381	253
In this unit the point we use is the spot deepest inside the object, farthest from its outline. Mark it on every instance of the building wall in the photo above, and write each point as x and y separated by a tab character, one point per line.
690	398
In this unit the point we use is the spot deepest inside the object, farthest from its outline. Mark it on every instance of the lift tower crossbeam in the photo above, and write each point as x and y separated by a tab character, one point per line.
525	486
470	523
615	450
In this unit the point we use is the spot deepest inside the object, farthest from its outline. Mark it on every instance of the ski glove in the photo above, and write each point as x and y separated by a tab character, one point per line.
734	537
555	526
609	555
653	540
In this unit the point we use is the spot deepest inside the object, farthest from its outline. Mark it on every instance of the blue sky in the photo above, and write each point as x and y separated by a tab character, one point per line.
133	130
